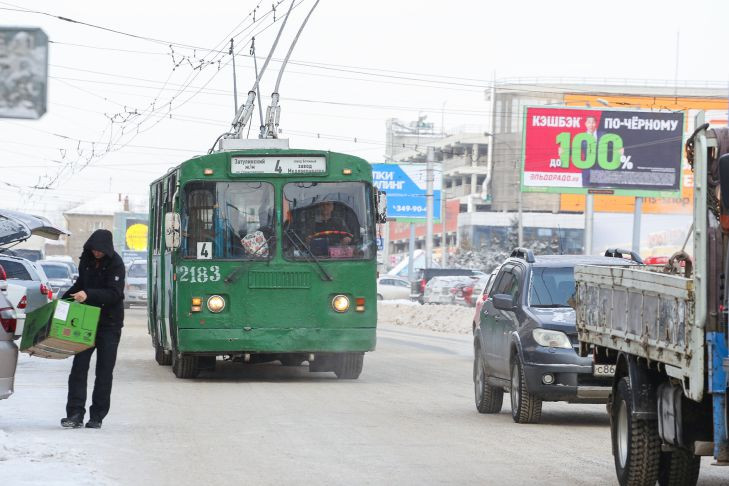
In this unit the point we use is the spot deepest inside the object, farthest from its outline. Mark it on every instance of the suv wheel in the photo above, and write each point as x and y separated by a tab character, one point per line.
489	399
525	407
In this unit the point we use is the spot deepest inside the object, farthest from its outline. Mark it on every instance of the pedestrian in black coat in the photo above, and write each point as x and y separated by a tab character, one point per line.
100	283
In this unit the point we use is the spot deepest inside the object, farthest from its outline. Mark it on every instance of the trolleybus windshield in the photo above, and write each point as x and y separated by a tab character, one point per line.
228	220
327	220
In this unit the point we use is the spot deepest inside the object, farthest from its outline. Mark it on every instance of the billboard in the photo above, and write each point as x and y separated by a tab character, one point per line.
623	152
405	187
23	72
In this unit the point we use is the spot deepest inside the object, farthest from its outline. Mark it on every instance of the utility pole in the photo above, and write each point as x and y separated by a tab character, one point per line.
429	208
589	216
636	223
235	81
411	253
444	230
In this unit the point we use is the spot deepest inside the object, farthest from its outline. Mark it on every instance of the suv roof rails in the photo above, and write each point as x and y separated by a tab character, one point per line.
620	252
524	254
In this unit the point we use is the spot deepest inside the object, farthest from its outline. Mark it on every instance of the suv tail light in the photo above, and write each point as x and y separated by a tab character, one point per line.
43	289
422	286
3	275
8	320
23	303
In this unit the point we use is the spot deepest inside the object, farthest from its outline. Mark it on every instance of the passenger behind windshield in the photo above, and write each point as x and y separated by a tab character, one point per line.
551	287
228	220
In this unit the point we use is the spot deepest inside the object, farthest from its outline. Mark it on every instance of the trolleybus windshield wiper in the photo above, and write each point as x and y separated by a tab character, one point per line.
307	251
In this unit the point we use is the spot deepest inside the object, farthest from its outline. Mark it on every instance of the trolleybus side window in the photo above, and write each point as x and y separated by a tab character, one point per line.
228	220
329	220
158	218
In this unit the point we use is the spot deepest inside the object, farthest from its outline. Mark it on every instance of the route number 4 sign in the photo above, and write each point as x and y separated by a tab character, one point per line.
204	250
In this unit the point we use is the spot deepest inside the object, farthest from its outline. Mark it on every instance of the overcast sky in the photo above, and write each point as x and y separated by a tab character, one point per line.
383	59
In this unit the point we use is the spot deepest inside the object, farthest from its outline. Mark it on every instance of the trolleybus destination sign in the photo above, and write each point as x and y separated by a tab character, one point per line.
278	165
629	152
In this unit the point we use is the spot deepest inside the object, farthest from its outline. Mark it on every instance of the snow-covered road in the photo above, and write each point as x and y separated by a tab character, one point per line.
409	419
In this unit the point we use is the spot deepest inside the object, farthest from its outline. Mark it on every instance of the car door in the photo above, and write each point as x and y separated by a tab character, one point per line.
509	321
401	289
490	317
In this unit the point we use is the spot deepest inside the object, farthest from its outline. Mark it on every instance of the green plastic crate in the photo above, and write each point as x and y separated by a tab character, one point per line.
60	329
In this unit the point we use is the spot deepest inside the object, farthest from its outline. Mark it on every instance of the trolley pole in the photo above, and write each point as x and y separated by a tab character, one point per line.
429	208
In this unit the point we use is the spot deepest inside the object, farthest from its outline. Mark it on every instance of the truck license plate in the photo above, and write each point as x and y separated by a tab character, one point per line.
603	370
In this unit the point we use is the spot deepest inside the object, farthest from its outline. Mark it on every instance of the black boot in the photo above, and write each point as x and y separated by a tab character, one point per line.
73	422
93	424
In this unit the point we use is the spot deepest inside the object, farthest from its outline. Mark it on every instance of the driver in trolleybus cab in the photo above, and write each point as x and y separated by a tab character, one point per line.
331	235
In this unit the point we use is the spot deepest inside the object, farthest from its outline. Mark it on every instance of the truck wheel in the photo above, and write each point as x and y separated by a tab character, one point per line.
349	366
162	357
636	445
489	399
184	366
679	468
526	408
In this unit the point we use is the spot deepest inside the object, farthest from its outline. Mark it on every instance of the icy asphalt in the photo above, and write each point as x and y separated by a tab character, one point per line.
409	419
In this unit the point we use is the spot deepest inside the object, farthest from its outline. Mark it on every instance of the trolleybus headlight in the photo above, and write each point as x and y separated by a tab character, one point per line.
340	303
216	303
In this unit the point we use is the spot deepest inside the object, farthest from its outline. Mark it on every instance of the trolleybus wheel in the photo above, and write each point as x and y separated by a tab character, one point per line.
162	357
636	445
349	366
184	366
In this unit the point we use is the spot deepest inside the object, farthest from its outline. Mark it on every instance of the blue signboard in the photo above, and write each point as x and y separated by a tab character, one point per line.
405	186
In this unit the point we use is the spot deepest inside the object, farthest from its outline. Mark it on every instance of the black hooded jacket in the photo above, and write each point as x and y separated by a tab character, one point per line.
103	284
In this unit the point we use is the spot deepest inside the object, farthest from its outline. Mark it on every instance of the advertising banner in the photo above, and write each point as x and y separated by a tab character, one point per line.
405	186
622	152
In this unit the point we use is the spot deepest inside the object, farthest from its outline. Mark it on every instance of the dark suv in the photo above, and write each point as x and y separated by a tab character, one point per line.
526	342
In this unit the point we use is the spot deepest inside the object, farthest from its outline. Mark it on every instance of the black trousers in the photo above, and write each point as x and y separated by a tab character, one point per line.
107	343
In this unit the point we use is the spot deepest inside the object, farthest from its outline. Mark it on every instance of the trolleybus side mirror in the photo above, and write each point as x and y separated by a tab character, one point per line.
381	206
172	230
724	180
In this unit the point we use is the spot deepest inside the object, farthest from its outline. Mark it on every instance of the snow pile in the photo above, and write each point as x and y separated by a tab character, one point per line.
442	318
493	253
31	461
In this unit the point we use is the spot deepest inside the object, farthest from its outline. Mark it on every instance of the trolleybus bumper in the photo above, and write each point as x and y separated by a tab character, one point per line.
276	340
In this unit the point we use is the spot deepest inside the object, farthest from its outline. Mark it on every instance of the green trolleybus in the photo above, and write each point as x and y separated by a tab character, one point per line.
262	254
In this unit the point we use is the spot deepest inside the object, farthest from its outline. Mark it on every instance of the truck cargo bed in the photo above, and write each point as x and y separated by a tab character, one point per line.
645	313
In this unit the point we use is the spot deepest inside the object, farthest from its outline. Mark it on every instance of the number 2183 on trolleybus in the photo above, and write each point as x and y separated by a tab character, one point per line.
263	255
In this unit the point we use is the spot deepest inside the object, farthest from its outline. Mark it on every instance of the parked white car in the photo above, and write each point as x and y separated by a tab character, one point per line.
8	333
24	276
390	288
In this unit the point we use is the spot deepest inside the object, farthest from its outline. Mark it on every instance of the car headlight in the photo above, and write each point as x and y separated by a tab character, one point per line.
552	339
340	303
216	303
